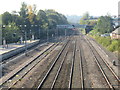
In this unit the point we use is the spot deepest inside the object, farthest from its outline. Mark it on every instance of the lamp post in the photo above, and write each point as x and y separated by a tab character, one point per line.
47	36
4	39
21	38
12	35
31	32
39	34
25	35
30	35
52	37
38	30
56	32
57	35
25	41
65	32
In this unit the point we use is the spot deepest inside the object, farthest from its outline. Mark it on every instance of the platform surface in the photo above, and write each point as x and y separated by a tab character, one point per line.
13	46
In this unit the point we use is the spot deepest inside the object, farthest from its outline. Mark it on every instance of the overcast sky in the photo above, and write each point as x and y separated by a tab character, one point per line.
66	7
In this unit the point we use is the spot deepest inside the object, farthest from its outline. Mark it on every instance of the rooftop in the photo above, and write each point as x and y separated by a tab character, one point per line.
117	31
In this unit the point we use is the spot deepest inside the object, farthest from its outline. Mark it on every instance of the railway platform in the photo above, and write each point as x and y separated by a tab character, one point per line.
16	47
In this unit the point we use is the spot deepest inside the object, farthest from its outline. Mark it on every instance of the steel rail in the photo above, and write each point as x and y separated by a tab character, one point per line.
109	67
72	67
22	67
81	68
100	67
51	67
58	72
32	67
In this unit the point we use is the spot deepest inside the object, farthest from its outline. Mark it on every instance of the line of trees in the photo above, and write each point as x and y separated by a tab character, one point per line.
104	24
31	21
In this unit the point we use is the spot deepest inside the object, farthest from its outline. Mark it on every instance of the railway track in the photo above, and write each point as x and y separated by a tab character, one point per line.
82	76
63	80
9	65
47	77
103	50
72	67
111	78
81	66
13	77
108	57
77	78
62	68
52	75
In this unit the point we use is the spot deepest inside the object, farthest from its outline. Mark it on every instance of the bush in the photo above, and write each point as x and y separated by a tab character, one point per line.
106	41
112	45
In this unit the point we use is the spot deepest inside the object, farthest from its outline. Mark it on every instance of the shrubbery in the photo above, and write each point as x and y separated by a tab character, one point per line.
112	45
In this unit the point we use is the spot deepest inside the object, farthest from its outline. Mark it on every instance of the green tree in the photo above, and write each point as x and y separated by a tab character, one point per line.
26	21
23	10
32	13
35	22
104	25
42	19
11	33
6	18
55	18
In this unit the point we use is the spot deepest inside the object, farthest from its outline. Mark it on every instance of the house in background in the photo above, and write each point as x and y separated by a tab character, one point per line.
115	34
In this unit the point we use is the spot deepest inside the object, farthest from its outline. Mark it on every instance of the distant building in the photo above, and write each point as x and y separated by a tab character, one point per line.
115	34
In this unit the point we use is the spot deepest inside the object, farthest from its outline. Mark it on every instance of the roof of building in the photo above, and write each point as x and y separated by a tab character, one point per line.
117	31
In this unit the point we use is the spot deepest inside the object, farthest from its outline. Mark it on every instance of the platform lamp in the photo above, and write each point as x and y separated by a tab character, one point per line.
36	25
25	41
21	38
4	39
13	33
47	33
39	32
31	30
65	31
